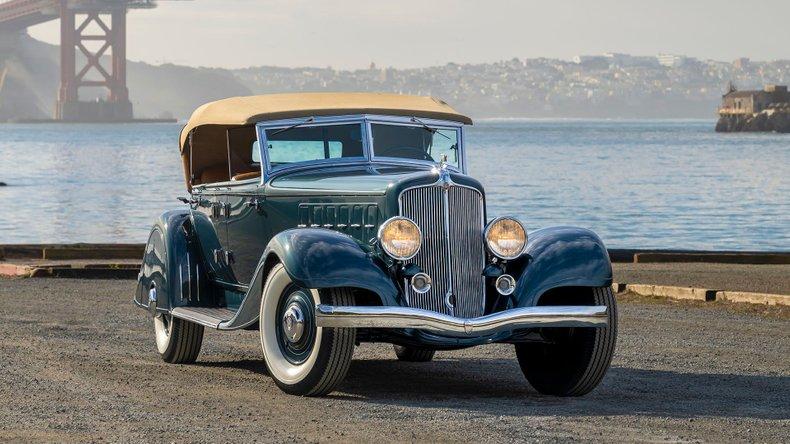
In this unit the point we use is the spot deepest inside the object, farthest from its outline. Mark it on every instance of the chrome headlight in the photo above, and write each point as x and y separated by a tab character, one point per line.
400	238
506	238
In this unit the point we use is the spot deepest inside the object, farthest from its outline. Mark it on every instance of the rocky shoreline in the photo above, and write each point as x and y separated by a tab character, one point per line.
759	122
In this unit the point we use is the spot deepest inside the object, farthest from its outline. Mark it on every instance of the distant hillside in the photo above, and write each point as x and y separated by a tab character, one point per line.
29	72
614	85
620	86
31	82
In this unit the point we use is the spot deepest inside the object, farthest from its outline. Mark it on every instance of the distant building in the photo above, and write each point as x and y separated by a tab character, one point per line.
750	102
592	61
759	110
741	63
671	60
627	60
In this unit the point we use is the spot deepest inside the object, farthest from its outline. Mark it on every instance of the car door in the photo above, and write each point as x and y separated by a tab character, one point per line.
211	226
248	230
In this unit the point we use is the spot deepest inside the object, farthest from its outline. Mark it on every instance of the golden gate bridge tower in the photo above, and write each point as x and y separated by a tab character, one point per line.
92	33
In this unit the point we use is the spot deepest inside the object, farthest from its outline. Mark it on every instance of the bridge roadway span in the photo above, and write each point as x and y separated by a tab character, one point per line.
16	15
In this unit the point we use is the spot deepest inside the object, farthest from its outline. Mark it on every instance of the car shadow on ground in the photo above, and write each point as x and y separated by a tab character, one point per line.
497	386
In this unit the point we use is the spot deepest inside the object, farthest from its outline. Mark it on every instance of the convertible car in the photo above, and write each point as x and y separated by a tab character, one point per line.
327	220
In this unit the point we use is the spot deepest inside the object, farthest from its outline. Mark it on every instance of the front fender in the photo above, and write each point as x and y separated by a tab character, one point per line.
316	258
320	258
562	257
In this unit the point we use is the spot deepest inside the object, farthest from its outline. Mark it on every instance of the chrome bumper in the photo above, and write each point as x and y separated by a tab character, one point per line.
404	317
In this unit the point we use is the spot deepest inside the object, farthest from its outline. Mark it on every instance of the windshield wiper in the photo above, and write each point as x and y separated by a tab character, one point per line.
430	129
295	125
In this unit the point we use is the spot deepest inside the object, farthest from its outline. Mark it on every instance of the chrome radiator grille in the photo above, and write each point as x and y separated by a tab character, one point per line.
453	252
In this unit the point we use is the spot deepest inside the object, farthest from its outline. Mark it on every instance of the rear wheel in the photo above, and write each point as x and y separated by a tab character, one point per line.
177	341
413	354
303	359
577	358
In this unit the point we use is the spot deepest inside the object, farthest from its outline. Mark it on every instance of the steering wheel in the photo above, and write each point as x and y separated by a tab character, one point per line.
407	152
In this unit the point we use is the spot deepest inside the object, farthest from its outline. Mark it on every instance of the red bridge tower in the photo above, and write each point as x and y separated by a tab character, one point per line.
112	37
92	32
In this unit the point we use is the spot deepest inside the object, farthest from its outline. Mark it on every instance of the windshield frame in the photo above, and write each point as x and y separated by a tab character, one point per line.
433	124
367	146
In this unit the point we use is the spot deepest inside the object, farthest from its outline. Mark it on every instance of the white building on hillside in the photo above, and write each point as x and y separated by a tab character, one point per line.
671	60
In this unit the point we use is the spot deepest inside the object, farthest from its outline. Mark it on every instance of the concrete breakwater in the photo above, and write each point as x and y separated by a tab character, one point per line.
756	277
86	251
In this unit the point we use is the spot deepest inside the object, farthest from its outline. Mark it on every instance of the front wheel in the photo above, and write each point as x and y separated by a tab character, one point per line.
303	359
576	359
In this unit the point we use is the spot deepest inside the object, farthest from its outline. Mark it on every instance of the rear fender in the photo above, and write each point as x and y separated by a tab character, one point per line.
172	263
562	257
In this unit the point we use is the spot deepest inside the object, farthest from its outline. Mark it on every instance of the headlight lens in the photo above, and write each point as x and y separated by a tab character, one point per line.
506	238
400	238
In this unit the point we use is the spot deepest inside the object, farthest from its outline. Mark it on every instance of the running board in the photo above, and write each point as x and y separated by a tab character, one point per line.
205	316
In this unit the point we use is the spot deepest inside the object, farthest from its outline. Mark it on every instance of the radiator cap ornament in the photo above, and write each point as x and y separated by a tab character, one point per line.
444	173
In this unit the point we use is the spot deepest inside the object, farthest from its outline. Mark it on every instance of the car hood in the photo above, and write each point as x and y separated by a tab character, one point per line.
367	179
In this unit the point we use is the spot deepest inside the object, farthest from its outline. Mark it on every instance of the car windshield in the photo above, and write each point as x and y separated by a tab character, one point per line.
297	144
420	142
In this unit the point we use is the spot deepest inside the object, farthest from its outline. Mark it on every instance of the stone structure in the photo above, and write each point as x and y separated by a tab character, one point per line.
758	110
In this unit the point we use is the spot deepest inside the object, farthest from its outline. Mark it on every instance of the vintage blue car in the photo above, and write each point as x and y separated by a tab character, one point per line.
327	220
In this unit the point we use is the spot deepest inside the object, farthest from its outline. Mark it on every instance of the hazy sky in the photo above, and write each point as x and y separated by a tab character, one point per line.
415	33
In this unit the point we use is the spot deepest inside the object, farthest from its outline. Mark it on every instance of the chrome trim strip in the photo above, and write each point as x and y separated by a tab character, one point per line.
404	317
451	292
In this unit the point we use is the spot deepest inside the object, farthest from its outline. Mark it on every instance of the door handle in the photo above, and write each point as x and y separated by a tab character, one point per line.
255	203
216	210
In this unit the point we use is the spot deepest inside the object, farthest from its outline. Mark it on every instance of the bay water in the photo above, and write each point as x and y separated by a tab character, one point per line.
637	183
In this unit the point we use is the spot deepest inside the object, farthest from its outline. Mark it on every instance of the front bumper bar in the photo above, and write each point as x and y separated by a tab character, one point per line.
405	317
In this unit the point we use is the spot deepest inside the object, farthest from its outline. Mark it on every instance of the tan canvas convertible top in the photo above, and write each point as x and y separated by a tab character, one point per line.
210	122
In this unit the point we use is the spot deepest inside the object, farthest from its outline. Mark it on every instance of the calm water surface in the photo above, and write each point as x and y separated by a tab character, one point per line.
640	184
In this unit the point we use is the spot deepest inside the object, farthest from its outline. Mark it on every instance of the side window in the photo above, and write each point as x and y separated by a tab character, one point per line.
245	162
209	155
290	145
287	151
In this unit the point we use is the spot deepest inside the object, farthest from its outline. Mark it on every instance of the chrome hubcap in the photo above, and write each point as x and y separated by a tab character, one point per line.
293	323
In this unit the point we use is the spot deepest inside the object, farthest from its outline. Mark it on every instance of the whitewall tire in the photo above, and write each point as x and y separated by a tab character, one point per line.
177	341
303	359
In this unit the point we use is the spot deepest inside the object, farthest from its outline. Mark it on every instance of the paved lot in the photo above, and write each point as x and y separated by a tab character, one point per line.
78	363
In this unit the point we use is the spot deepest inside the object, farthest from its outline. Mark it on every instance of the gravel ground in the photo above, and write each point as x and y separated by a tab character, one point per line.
79	364
773	279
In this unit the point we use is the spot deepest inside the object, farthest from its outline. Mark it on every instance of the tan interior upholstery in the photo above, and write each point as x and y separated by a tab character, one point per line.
216	173
245	176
